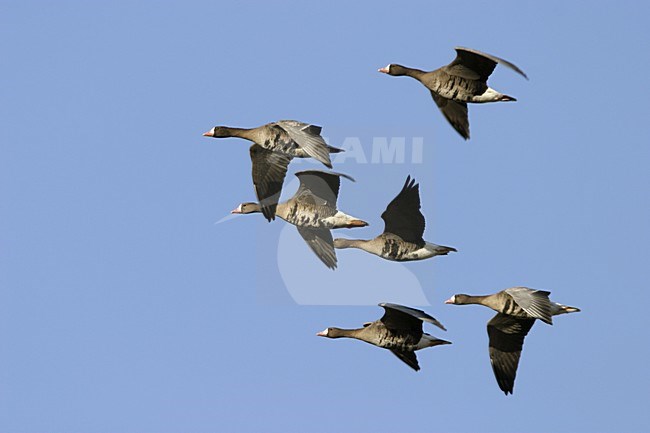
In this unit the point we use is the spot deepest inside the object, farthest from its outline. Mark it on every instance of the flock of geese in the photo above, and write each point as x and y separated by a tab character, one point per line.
313	210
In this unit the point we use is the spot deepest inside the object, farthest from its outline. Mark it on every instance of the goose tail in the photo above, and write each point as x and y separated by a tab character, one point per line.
334	149
562	309
440	250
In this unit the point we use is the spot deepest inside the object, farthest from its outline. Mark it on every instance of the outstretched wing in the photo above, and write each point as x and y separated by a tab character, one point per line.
506	334
269	170
321	243
476	65
408	357
396	312
399	321
319	187
534	302
455	112
402	217
307	137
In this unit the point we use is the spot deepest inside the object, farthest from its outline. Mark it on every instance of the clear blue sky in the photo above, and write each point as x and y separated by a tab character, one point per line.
125	308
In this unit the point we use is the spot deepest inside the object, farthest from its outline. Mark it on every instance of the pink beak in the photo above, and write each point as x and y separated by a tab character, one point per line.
236	210
208	134
449	301
322	334
383	70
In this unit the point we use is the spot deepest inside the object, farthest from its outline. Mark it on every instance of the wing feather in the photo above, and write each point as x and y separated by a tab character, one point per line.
321	187
308	137
474	64
396	312
321	243
506	335
408	357
269	170
402	216
534	302
455	112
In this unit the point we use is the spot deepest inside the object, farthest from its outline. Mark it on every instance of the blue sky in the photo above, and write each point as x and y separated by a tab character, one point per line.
125	308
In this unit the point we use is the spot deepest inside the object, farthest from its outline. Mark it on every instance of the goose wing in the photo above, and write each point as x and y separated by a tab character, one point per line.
400	314
307	137
402	216
506	335
476	65
402	322
534	302
319	187
269	170
455	112
321	243
408	357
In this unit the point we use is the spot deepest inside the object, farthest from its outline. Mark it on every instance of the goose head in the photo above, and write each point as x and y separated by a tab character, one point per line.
393	69
332	333
458	299
218	132
244	208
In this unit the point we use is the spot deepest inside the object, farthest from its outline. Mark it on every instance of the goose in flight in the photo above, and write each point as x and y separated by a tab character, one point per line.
274	146
314	212
517	309
454	85
398	330
403	230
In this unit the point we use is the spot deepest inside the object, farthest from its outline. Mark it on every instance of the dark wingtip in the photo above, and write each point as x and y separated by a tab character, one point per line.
410	182
461	131
269	212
